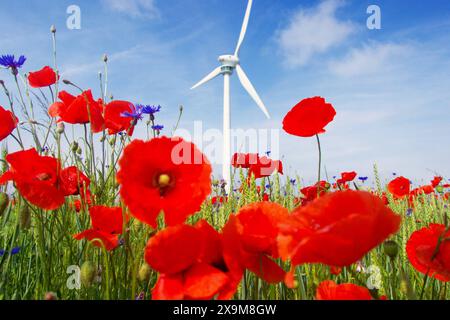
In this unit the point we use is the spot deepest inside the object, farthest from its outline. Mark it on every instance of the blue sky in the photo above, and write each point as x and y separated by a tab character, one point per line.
390	87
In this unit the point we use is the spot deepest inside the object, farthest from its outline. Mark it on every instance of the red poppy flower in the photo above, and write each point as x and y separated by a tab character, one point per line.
428	251
265	167
244	160
436	181
428	189
42	78
399	187
337	229
218	200
115	122
58	108
107	224
79	110
163	175
250	239
309	117
191	264
312	192
8	122
348	176
73	181
329	290
36	178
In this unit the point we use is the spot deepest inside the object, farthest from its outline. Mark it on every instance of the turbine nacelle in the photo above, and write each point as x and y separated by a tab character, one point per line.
229	60
229	63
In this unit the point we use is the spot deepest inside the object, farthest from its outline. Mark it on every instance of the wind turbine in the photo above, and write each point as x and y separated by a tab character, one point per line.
228	64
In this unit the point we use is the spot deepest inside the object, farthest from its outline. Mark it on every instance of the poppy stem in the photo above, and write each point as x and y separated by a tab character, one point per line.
320	157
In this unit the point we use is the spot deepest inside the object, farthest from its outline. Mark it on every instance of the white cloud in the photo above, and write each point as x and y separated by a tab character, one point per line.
135	8
312	31
369	59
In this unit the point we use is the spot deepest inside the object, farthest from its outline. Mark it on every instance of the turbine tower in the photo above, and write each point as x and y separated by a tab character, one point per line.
229	63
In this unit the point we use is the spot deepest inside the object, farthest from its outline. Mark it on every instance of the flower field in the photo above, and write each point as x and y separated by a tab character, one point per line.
88	211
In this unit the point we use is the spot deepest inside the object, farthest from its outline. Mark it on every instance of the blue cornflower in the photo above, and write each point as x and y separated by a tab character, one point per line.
293	182
148	109
15	250
9	62
140	110
140	296
268	186
363	179
268	153
157	127
394	174
2	252
409	212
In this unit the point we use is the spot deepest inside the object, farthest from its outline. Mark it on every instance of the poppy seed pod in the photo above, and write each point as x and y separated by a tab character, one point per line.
144	273
52	29
440	189
24	217
88	273
4	201
391	248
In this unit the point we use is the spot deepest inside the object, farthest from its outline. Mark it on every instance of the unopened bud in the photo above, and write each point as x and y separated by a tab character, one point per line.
74	146
112	140
105	58
52	29
60	128
440	189
144	272
102	138
24	217
87	273
79	151
4	201
65	81
391	248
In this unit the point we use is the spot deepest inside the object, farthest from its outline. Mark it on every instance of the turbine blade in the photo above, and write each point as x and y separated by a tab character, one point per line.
251	90
209	77
244	27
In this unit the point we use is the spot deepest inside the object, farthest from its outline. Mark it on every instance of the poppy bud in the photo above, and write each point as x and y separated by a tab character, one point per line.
87	273
105	58
102	138
65	81
79	151
24	217
74	146
144	272
50	296
391	248
4	201
52	28
112	140
60	128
